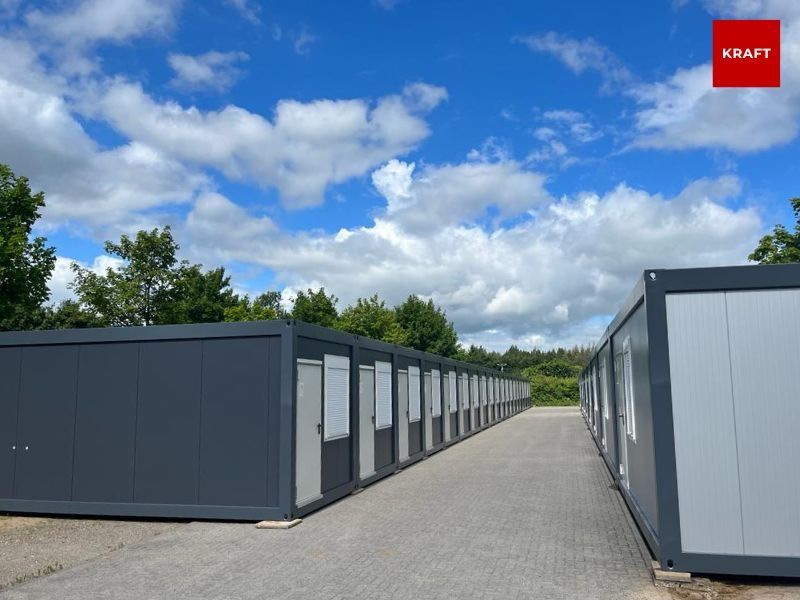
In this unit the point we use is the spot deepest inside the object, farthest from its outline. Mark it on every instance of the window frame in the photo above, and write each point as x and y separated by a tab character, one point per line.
627	381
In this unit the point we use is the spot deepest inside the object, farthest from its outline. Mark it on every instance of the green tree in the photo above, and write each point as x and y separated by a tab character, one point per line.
371	317
196	297
25	264
315	307
780	246
553	391
264	307
136	292
478	355
557	368
69	315
426	327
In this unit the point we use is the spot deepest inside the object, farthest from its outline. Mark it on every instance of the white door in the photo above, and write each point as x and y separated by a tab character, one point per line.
428	412
446	407
308	438
402	421
366	421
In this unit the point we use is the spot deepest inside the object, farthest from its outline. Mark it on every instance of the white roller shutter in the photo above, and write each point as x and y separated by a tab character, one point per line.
436	393
383	395
414	400
451	384
337	397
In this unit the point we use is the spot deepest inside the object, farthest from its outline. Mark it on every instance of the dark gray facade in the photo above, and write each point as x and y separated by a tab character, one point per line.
239	421
690	397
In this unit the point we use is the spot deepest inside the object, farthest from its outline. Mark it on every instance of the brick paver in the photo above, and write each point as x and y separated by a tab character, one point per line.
522	510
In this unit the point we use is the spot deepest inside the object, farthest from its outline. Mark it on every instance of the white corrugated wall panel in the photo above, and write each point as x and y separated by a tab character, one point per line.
764	330
704	422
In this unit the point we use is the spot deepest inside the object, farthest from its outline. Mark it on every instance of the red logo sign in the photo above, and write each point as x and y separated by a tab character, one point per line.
747	53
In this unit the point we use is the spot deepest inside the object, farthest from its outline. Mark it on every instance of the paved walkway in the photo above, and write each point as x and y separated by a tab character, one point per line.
522	510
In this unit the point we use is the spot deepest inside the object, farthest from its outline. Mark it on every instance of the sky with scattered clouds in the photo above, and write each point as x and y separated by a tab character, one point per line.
519	163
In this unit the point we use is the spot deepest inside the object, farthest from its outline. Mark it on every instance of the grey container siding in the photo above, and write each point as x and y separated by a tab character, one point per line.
610	414
641	458
190	421
165	421
767	329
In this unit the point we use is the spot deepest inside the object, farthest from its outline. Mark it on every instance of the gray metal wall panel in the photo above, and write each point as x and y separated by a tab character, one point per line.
9	397
46	423
168	422
105	422
704	424
641	457
336	468
274	434
234	432
765	363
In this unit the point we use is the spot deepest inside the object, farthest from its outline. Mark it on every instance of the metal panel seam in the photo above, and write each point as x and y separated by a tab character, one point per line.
735	428
75	422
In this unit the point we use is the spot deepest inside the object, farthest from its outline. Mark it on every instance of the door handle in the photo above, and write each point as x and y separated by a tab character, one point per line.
319	428
373	419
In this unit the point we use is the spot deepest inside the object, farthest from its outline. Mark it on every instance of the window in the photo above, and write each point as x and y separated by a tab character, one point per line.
414	405
383	395
436	393
630	405
491	390
604	389
473	390
484	394
337	397
451	384
464	391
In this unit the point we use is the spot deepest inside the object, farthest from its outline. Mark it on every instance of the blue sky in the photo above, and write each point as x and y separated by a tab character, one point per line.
520	163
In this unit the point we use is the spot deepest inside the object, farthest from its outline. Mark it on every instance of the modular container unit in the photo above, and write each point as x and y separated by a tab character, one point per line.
691	396
263	420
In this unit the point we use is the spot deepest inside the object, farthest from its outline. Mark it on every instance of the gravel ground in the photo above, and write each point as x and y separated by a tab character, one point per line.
31	547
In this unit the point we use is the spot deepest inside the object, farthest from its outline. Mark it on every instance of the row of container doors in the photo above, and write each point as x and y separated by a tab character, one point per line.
451	405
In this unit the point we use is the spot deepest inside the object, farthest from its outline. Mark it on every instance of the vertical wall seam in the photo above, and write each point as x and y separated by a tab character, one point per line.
733	411
267	390
136	416
200	422
75	422
16	429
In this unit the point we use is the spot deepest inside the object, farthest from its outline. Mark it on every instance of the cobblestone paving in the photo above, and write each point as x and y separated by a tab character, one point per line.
522	510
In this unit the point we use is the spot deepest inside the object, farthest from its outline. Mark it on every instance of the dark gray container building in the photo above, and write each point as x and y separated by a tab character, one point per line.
692	397
251	421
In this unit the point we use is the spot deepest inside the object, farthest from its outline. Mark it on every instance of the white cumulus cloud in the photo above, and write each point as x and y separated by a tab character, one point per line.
305	148
210	70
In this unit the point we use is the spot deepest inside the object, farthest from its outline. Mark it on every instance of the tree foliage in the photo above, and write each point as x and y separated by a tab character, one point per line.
69	315
196	296
25	263
547	390
781	246
315	307
264	307
370	317
138	291
427	327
